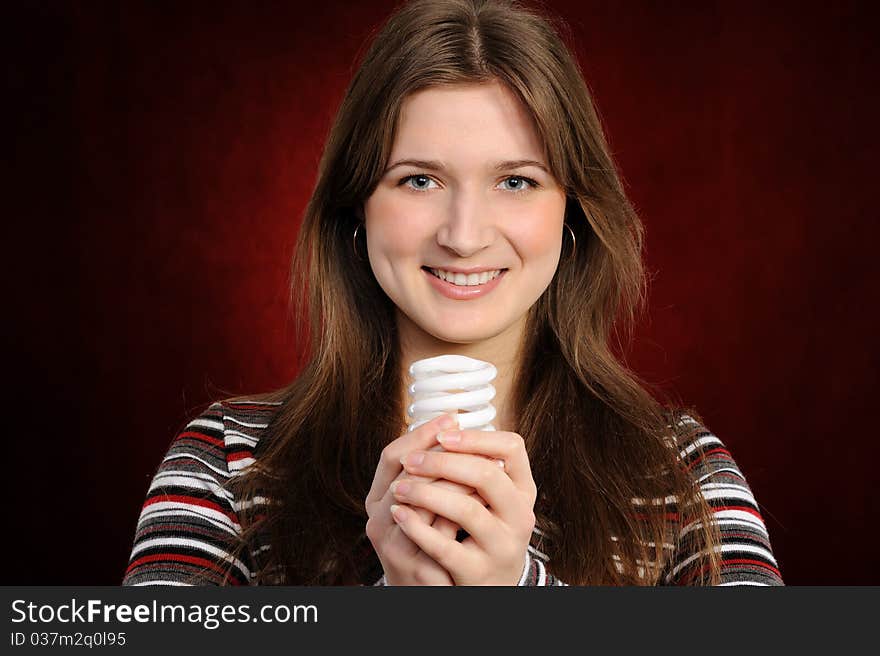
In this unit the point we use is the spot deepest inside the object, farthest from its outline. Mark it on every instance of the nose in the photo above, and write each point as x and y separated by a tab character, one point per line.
468	228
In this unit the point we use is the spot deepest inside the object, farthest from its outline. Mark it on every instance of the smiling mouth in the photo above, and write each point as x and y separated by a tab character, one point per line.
462	280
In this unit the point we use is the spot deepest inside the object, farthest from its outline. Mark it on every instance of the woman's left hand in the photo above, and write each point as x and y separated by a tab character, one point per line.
499	534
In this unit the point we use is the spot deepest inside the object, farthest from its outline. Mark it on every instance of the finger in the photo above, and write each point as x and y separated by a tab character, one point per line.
442	524
393	540
464	489
446	552
446	527
397	547
403	555
389	467
392	544
385	503
486	478
464	511
393	537
383	508
447	485
502	445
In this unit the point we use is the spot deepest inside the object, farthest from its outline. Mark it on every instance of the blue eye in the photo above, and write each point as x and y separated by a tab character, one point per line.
424	180
531	183
417	177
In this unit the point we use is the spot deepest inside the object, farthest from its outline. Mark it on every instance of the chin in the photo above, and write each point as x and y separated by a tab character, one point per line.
464	336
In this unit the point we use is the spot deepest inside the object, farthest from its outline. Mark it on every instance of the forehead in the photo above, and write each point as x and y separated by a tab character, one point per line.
480	119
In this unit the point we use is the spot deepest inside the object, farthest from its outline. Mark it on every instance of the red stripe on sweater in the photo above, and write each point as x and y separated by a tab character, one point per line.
204	438
181	558
743	508
749	561
706	454
193	501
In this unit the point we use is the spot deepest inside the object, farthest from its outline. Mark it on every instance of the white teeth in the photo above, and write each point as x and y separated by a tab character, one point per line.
468	280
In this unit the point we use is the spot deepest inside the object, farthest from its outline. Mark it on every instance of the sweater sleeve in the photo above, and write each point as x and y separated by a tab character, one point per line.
745	552
187	526
535	573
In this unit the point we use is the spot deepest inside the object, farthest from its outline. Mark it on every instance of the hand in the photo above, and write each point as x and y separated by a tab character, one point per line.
404	563
495	552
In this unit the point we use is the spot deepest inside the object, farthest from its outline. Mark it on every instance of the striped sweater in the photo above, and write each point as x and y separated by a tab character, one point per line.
189	521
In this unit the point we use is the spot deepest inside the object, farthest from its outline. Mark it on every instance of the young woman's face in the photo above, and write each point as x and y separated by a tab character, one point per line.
473	212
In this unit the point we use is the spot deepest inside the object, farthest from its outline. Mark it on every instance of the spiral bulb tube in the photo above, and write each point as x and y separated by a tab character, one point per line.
433	391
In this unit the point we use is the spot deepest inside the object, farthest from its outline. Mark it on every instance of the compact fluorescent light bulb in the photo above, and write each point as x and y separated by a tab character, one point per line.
450	384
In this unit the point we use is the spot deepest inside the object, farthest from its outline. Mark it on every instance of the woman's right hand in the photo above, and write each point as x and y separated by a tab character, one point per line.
404	563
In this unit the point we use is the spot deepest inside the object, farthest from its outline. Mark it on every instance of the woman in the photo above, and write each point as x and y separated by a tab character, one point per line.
467	140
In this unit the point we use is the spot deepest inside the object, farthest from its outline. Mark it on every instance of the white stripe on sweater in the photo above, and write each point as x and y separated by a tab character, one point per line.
213	424
195	544
732	470
178	456
179	510
249	503
237	437
729	546
244	423
191	480
730	583
686	420
640	501
206	513
235	466
743	519
726	486
690	448
526	568
730	492
539	554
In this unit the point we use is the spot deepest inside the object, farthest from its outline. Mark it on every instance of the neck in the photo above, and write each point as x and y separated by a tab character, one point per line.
501	350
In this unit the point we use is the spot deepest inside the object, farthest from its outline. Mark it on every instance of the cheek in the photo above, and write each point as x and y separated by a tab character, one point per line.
394	227
538	241
536	231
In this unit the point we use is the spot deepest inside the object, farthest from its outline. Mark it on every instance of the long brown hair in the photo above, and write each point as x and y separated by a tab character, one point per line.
597	438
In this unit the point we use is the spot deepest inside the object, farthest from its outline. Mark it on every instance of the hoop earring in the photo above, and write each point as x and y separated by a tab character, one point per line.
354	242
573	242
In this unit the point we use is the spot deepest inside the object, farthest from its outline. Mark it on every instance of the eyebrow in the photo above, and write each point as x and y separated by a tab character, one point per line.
433	165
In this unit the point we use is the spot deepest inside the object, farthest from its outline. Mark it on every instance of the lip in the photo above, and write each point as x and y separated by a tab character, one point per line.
465	271
463	293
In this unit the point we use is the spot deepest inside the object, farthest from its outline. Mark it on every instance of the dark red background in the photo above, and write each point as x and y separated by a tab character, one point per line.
162	156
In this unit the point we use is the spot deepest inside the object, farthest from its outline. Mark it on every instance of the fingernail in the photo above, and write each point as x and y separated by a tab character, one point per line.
414	459
500	463
447	421
398	513
400	488
449	436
